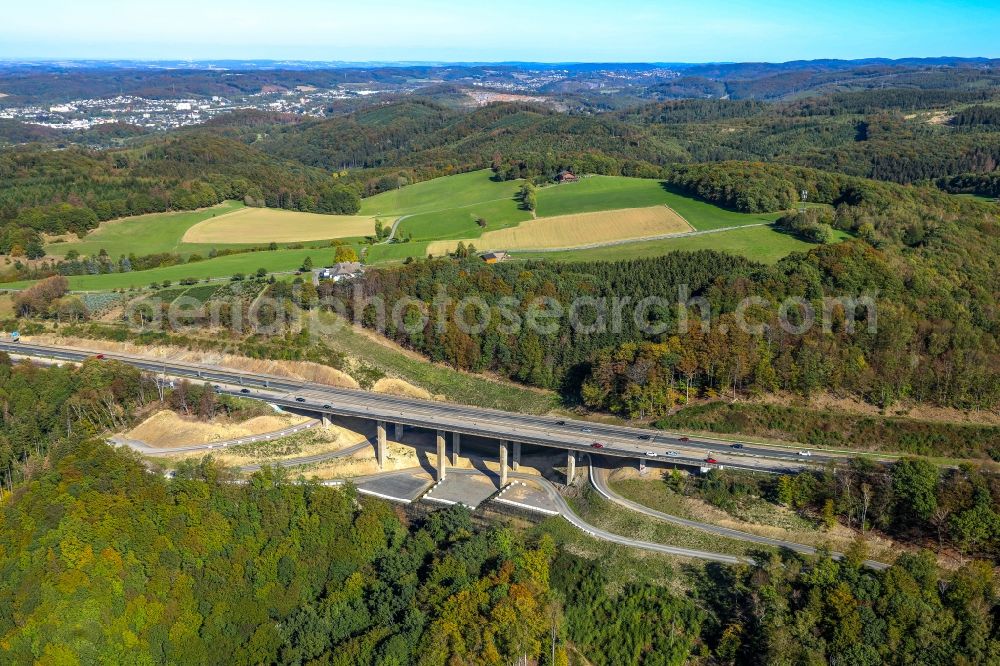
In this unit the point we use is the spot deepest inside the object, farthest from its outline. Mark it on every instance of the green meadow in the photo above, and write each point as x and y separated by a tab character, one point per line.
764	244
144	234
464	189
597	193
462	222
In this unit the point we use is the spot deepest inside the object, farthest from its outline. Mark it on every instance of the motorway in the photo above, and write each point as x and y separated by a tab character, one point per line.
547	431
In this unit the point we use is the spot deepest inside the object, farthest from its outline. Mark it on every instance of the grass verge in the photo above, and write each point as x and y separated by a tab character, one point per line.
456	386
611	517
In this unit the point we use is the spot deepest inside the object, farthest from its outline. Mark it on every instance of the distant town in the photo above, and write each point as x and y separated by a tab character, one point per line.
476	86
167	114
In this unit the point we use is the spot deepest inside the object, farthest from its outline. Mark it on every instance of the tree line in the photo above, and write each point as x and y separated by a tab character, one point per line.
71	191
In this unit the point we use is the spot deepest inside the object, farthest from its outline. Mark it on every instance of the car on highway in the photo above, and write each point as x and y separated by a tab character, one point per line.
685	439
711	461
805	453
736	446
645	438
244	391
327	406
597	445
673	454
560	423
99	357
652	454
587	430
300	400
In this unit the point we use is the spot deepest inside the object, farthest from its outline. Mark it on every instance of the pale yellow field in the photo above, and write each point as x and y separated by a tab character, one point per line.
266	225
568	231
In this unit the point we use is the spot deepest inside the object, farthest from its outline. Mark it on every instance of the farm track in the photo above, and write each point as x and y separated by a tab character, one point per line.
395	225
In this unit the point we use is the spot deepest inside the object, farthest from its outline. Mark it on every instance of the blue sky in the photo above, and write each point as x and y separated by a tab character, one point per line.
552	30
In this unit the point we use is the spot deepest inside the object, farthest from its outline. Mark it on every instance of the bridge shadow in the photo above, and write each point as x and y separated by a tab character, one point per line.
479	464
424	458
606	463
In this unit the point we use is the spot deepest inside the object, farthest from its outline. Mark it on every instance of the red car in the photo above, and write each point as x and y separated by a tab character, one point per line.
100	357
597	445
685	439
711	461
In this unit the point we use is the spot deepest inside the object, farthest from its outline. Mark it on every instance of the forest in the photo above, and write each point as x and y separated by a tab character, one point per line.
881	134
127	567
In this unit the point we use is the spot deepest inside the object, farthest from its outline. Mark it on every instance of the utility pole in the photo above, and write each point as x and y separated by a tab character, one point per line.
553	635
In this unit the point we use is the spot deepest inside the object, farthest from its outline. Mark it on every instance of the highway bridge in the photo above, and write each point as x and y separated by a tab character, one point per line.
451	421
512	429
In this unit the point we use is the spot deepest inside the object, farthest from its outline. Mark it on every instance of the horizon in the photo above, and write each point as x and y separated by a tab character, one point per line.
638	31
178	63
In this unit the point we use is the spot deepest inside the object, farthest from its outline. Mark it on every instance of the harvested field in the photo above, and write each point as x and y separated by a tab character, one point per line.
265	225
167	429
578	230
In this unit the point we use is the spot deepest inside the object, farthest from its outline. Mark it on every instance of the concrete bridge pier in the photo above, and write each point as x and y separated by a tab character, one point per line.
324	420
570	466
380	443
456	447
441	455
503	462
516	462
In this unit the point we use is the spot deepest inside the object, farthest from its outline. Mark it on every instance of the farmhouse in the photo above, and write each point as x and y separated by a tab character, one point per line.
342	271
494	257
566	177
